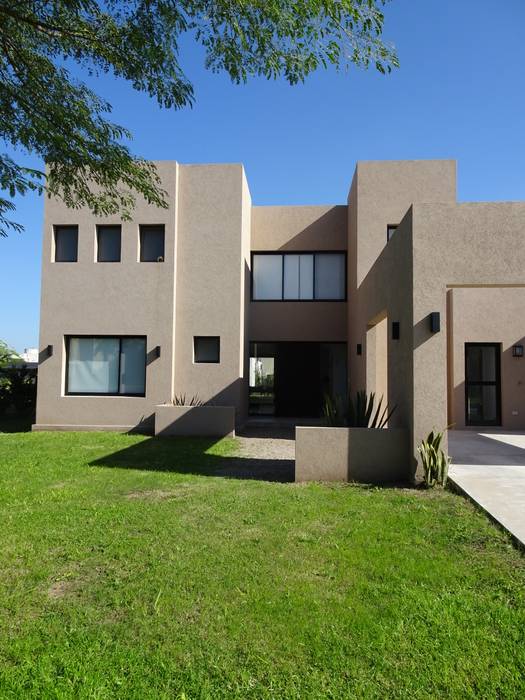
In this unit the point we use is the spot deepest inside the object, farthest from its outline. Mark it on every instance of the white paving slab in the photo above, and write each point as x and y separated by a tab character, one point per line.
490	468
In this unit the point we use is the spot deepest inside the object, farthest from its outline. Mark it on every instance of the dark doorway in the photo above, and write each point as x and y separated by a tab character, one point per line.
482	384
289	379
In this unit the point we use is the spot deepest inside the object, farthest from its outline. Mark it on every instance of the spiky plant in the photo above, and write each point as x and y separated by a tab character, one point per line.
361	412
434	461
181	400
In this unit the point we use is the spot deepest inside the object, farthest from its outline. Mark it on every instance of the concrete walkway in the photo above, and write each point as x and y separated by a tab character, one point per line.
489	467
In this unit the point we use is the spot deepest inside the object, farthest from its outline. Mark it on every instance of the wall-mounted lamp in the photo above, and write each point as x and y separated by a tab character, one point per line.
49	351
517	351
395	330
156	351
435	322
359	349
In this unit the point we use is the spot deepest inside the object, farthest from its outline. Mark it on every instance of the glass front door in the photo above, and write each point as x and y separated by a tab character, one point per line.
482	384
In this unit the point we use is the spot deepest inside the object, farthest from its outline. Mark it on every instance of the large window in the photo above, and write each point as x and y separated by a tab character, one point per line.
299	276
66	243
108	243
152	243
103	365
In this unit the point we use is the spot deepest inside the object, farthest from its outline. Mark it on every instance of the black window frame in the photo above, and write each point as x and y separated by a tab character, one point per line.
97	233
56	228
343	253
142	228
120	338
496	383
207	337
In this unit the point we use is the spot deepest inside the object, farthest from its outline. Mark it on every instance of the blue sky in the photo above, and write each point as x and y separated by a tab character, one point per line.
459	93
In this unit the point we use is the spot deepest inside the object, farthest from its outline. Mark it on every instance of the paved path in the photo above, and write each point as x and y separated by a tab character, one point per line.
490	468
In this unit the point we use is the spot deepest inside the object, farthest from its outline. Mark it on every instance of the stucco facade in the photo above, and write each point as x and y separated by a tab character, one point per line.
463	263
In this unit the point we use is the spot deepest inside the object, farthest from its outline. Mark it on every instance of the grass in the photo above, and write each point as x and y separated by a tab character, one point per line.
127	570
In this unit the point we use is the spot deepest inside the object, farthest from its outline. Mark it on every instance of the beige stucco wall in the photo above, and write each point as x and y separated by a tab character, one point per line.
126	298
351	454
474	244
488	315
212	274
301	229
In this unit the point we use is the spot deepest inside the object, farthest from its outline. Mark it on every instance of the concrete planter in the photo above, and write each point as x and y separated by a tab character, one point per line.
351	454
206	421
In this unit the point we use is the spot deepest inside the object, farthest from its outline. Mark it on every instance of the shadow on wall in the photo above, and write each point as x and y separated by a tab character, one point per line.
311	235
195	456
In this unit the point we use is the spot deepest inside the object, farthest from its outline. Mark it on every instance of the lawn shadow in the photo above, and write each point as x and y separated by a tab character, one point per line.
194	456
16	422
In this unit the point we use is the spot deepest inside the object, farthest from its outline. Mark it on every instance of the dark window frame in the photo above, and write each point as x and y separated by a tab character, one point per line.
97	232
497	383
120	338
141	231
57	227
207	337
344	253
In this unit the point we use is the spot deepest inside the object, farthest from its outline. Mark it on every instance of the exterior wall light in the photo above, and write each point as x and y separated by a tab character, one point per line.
49	351
395	330
517	351
435	322
156	351
359	349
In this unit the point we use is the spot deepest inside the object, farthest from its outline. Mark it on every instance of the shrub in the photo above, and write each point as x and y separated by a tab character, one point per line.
181	400
434	461
361	412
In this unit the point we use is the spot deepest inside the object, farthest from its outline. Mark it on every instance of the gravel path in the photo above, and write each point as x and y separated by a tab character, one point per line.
265	455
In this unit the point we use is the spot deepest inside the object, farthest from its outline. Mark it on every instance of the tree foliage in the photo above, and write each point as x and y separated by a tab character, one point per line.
46	111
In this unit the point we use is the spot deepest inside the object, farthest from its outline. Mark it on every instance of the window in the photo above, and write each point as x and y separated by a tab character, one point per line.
390	230
108	243
103	365
206	348
299	276
66	243
152	243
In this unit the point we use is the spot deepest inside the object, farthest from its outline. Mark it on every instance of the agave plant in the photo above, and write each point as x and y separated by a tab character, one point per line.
181	400
362	412
435	462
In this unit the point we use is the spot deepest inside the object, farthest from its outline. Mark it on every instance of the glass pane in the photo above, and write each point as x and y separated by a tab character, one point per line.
482	404
329	276
93	365
108	244
306	277
151	243
481	363
262	394
291	277
206	349
133	366
66	243
267	276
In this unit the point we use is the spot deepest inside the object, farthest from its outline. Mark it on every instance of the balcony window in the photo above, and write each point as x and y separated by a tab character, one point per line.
299	276
103	365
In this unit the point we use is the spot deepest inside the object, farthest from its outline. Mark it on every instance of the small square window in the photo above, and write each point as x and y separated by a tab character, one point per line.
66	243
390	230
108	243
152	243
206	348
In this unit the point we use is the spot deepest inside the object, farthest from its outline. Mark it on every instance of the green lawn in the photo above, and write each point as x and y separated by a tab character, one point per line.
127	570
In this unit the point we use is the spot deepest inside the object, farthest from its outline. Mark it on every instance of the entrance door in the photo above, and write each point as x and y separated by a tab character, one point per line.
297	381
482	384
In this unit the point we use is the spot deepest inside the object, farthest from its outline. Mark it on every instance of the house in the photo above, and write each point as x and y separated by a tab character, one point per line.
402	291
